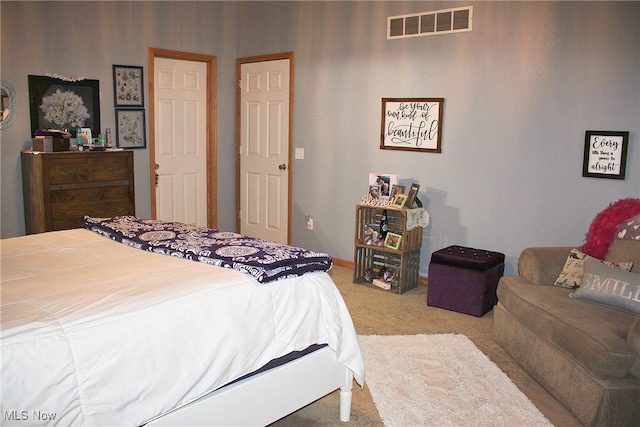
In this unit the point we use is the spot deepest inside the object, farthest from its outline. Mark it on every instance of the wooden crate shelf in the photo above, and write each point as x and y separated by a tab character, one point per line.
404	261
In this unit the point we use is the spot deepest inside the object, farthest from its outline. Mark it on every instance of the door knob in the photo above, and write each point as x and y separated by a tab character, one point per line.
282	167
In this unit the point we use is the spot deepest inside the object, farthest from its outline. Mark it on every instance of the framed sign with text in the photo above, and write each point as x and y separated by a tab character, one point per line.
605	154
412	124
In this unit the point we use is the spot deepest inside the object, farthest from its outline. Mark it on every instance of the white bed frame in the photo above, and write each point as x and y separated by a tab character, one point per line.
266	397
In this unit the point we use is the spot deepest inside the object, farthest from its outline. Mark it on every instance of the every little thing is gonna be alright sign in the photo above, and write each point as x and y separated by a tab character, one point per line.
413	124
605	154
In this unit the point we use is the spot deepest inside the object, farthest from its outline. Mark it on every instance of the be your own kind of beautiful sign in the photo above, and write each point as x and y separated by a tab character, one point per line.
413	124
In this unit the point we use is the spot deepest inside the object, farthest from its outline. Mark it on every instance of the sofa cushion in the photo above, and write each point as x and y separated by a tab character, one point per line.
571	274
625	250
633	338
594	336
610	286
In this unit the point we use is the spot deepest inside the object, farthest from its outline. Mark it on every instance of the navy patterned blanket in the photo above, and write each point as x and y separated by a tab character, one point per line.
266	261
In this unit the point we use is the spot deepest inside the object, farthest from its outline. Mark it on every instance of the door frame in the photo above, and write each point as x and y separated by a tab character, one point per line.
264	58
211	143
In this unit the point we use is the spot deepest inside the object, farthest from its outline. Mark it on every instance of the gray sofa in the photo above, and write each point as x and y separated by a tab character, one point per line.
586	355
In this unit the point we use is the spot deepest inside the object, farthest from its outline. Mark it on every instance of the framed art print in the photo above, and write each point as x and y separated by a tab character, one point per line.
64	104
605	154
130	129
411	124
128	86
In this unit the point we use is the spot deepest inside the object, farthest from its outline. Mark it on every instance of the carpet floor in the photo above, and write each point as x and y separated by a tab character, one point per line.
378	312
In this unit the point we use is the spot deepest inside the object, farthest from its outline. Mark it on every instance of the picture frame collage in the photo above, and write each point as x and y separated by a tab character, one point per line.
128	99
372	237
385	190
70	104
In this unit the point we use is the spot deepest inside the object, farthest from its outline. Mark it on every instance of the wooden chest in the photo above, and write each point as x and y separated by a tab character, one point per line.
61	188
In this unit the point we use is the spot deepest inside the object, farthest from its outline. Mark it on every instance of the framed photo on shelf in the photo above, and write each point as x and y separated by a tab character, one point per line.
396	189
413	193
411	124
399	201
86	138
393	240
55	103
130	129
605	154
371	235
128	86
385	183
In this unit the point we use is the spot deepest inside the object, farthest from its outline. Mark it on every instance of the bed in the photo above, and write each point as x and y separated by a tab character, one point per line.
97	332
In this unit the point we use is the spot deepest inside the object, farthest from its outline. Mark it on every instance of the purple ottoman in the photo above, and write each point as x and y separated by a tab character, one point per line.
464	279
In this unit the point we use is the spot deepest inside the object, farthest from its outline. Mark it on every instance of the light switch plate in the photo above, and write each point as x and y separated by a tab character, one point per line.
299	153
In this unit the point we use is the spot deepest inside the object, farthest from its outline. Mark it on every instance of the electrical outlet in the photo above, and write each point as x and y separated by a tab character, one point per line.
299	153
309	223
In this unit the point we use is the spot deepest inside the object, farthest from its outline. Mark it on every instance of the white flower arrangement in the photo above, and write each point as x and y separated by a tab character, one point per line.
64	108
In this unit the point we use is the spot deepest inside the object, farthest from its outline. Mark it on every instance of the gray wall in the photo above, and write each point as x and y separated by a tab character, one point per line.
85	39
520	91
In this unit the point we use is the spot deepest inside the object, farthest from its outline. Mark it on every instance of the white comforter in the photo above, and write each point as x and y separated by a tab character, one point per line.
98	333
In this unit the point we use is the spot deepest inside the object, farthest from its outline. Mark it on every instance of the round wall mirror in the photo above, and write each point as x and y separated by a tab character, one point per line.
7	104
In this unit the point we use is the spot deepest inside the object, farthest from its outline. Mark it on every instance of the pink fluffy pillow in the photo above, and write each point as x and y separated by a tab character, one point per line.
603	228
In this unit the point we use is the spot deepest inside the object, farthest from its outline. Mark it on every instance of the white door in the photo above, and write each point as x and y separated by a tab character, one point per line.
264	149
180	140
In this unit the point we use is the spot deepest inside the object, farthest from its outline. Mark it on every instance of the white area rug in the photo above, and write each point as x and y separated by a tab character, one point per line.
441	380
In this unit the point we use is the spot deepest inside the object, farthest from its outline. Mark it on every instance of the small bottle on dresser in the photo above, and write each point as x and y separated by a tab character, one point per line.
109	139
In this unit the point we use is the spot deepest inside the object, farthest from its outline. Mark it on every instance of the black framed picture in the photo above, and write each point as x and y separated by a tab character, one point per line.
60	104
128	86
130	128
605	154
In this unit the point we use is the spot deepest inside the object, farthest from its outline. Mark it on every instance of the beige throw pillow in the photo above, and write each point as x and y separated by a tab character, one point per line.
571	275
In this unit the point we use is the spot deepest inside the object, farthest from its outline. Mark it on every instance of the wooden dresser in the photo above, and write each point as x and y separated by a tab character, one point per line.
61	188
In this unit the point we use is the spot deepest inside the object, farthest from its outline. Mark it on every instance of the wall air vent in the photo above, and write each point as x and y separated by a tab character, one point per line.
443	21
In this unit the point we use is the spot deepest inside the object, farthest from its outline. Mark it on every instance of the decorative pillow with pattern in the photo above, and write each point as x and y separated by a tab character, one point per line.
629	229
609	286
571	275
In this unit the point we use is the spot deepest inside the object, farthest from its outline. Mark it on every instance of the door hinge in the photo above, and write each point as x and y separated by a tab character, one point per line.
239	82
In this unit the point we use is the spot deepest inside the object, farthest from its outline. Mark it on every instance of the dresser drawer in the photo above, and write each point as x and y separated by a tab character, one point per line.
94	169
68	207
